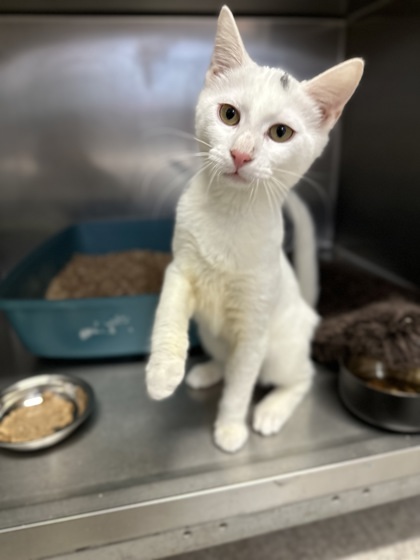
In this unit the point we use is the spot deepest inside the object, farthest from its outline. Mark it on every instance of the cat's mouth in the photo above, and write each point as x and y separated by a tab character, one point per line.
236	177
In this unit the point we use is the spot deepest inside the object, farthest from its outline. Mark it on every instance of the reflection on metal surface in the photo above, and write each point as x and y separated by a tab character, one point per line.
97	113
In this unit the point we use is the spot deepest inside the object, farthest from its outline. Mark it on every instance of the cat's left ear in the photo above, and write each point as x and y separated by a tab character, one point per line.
332	89
229	51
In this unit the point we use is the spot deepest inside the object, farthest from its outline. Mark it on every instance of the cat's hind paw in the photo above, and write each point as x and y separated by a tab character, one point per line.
202	376
230	436
163	375
277	407
268	420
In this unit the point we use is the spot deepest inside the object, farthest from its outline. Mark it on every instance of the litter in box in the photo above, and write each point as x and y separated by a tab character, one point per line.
121	273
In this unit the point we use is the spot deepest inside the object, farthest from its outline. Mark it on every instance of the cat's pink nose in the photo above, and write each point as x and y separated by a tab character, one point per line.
240	158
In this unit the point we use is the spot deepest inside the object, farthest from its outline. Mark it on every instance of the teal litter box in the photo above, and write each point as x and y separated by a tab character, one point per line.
91	327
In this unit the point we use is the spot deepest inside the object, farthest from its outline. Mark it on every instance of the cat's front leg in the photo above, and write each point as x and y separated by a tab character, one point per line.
166	367
242	369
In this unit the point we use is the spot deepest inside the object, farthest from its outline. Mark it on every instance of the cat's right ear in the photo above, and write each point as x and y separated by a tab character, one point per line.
229	51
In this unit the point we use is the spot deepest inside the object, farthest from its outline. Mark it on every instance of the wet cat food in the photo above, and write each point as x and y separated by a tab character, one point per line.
36	420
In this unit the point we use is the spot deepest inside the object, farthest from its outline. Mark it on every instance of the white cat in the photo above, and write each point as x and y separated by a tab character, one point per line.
263	129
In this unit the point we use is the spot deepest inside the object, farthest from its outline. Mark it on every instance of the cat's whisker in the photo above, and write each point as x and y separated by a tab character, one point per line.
254	195
160	131
317	186
153	173
256	190
182	157
187	157
280	184
219	175
270	197
201	170
173	186
202	142
185	176
280	188
268	193
208	164
212	178
211	167
204	167
252	188
287	172
150	177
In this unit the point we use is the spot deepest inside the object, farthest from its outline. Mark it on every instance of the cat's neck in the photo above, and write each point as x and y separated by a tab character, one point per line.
231	228
253	202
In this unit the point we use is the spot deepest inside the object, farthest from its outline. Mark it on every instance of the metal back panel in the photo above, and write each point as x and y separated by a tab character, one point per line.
91	109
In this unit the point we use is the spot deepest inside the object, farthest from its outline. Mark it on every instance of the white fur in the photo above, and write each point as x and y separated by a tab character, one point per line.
229	270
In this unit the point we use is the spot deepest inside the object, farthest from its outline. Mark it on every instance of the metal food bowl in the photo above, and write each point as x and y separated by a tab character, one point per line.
378	400
31	392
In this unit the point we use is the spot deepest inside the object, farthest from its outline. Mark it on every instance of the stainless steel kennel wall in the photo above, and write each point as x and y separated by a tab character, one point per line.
89	106
91	109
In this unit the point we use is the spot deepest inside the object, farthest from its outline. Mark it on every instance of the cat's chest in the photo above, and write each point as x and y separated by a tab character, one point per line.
222	298
231	259
232	243
227	245
232	275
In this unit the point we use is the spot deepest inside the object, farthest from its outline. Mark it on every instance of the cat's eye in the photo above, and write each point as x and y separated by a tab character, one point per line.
280	132
229	114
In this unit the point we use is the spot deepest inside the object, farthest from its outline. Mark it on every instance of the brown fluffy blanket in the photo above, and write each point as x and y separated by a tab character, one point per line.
366	316
388	331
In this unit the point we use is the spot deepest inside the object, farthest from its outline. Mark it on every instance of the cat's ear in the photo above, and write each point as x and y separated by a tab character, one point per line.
332	89
229	51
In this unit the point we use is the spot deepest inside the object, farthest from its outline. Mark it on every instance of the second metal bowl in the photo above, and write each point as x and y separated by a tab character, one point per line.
393	410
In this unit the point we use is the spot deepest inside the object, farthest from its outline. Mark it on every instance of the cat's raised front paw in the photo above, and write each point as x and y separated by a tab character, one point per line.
163	375
230	436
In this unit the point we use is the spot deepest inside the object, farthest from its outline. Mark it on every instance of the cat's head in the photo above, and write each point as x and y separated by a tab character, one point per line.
260	122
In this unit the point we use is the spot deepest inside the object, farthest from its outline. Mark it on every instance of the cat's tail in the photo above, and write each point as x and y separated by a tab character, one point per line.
304	248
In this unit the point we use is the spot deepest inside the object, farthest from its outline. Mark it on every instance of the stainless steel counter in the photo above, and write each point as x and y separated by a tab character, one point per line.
143	480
